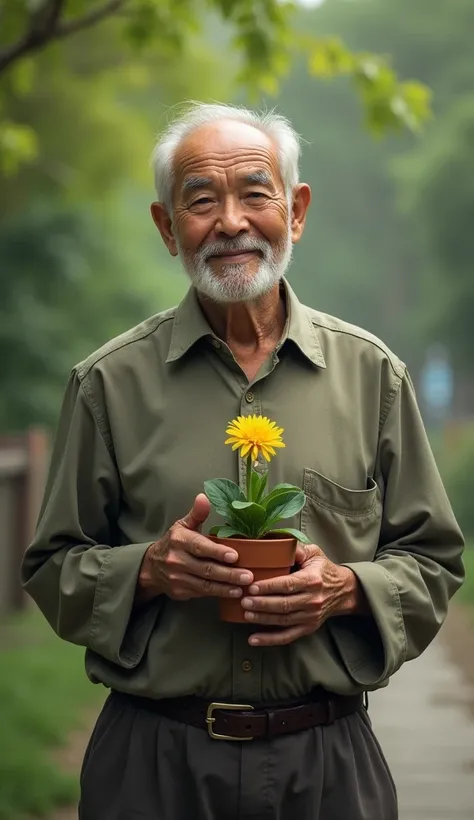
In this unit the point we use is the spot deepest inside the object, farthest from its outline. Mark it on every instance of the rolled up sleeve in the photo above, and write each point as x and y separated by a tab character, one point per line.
77	570
418	565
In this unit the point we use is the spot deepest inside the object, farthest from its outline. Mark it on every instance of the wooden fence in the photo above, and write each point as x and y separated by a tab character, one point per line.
23	463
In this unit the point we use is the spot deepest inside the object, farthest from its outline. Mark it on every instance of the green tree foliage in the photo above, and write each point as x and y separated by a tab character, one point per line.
434	178
59	299
261	33
67	285
93	111
457	470
84	85
79	256
438	197
371	251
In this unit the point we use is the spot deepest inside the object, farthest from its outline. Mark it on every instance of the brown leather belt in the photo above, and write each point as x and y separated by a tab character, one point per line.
234	721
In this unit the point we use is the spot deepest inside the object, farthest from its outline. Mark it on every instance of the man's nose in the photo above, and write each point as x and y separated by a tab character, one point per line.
231	219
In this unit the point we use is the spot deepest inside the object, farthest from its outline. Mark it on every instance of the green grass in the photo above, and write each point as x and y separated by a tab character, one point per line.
43	694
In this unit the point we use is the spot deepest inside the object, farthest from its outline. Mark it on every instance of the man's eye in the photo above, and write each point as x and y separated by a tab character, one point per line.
255	195
203	200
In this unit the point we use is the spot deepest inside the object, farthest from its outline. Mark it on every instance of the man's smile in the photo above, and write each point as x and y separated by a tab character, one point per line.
234	257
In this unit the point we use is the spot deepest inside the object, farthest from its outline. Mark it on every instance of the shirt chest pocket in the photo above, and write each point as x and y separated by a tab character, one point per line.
344	523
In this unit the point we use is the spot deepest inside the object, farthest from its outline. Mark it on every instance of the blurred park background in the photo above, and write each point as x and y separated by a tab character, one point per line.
382	91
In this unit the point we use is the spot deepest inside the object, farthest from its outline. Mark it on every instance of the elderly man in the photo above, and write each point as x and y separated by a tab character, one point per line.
121	564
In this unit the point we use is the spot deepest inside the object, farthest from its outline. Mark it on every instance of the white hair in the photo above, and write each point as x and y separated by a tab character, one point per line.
196	115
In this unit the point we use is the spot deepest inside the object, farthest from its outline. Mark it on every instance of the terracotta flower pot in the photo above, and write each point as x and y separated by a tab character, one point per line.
268	557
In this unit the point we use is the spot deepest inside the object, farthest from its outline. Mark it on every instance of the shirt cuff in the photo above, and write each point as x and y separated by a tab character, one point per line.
372	648
120	631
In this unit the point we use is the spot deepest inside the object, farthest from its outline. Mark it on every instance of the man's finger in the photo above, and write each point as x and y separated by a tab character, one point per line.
277	604
198	513
202	547
212	589
300	616
280	638
214	571
283	585
305	552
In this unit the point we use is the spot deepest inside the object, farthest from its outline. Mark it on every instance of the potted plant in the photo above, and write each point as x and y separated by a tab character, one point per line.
252	517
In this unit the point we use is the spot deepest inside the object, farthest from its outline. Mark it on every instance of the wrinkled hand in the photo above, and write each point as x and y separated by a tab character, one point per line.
185	564
302	601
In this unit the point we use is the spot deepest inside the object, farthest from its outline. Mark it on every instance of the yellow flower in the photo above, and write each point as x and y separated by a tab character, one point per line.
254	435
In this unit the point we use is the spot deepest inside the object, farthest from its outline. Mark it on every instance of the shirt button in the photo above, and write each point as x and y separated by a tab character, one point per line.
249	397
215	342
246	666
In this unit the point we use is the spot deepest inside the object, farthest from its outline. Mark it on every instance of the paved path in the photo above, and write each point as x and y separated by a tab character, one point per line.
426	729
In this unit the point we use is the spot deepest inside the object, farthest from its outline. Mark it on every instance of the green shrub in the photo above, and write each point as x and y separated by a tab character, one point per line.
458	473
44	692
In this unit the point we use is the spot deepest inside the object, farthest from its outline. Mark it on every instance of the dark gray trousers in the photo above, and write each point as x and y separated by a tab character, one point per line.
141	766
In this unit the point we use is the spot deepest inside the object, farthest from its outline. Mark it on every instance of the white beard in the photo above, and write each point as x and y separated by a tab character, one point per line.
234	283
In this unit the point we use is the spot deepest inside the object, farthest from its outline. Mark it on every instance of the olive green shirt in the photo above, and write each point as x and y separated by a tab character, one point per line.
143	426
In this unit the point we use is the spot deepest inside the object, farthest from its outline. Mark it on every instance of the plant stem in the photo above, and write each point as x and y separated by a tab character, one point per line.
249	477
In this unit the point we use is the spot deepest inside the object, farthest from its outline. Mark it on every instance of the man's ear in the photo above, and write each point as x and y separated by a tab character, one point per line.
163	222
301	201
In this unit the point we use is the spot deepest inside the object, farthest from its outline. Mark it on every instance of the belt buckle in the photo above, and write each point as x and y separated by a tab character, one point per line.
233	707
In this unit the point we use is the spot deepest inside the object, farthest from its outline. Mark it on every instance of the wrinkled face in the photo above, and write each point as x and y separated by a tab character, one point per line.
232	223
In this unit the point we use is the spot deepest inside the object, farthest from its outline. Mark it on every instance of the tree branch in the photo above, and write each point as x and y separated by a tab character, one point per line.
44	21
53	14
52	29
94	16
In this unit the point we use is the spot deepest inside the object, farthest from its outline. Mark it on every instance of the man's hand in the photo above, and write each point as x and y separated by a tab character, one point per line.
302	601
185	564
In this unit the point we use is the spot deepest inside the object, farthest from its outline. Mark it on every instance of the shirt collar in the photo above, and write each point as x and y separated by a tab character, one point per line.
190	325
300	329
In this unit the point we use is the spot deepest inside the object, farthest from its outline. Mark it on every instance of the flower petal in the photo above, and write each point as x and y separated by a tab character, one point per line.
254	434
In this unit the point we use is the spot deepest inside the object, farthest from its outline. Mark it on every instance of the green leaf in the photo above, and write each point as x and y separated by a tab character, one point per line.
259	482
215	530
254	485
279	488
329	58
18	145
285	504
22	76
234	523
221	492
252	514
291	531
235	520
261	489
228	532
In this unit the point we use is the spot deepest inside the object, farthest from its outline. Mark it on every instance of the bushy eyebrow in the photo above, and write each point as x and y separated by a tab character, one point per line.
257	178
195	183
